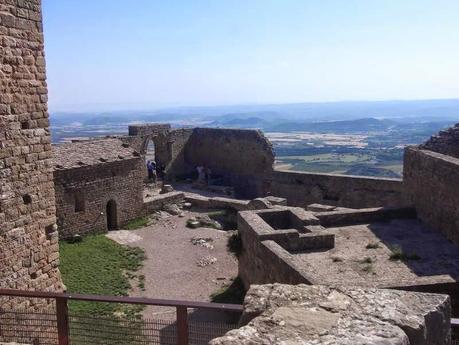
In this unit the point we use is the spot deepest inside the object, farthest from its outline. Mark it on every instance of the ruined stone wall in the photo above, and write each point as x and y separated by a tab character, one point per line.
95	186
29	253
244	158
445	142
432	183
302	189
261	259
170	151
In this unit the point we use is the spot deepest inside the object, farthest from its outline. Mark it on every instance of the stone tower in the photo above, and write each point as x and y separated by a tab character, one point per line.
29	248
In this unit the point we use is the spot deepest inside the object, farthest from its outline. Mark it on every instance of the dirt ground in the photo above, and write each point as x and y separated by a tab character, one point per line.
171	269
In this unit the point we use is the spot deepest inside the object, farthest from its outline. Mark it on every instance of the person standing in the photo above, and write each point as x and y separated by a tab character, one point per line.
150	170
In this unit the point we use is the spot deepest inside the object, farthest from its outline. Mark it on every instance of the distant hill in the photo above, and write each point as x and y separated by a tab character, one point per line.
262	116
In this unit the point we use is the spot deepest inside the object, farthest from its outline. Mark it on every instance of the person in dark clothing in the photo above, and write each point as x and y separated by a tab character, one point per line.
150	170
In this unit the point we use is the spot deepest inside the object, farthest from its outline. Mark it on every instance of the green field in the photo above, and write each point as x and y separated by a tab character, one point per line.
334	163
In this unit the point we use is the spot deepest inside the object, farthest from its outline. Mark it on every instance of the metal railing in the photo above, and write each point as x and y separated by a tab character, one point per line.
63	328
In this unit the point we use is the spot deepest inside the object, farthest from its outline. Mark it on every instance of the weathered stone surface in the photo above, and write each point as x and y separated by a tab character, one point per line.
167	188
28	239
259	204
302	314
445	142
432	183
302	189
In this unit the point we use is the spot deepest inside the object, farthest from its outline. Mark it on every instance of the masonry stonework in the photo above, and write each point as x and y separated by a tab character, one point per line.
29	255
432	183
445	142
285	314
302	189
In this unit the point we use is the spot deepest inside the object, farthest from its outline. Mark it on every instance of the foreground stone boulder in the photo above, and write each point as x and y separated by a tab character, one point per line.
304	314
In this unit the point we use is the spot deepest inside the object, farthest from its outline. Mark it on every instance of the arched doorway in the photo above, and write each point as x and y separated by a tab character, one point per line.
150	151
151	161
112	218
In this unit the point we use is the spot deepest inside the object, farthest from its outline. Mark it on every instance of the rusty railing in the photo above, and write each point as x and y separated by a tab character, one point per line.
61	321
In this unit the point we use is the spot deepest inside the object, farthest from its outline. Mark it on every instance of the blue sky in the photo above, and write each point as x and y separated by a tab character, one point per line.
144	54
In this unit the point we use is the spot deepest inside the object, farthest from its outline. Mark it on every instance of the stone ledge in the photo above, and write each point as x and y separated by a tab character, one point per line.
302	314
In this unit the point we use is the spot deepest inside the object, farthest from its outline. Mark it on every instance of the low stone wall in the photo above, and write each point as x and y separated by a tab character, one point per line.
92	187
366	215
302	189
158	202
432	183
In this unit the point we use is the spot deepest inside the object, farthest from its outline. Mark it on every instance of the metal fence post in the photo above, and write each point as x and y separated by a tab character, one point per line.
62	314
182	326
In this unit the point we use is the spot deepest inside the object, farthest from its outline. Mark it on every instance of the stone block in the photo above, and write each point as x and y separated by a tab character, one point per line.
303	314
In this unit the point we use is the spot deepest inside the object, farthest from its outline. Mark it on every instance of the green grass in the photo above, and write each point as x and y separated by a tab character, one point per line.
99	266
137	223
372	245
399	255
366	260
232	294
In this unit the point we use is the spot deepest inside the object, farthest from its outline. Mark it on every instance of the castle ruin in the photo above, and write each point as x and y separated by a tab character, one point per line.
330	232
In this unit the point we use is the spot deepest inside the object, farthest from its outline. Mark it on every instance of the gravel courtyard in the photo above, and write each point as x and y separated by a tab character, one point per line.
176	268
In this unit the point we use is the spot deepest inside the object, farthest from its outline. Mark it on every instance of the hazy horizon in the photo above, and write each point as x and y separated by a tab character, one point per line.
108	55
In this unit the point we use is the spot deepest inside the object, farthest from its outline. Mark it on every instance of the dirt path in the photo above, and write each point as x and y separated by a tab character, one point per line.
171	270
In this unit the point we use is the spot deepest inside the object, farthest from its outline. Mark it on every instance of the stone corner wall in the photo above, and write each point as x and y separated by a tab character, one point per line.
301	314
432	183
29	254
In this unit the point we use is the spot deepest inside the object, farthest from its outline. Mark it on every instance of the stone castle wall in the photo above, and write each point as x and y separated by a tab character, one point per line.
432	183
302	189
93	187
29	253
244	158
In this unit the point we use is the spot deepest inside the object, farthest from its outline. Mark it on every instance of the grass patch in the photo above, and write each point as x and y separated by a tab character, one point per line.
231	294
372	245
137	223
100	266
368	268
399	255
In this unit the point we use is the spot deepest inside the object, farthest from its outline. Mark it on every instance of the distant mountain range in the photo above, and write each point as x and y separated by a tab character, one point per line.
333	116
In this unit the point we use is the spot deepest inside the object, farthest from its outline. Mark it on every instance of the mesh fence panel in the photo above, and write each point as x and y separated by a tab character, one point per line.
41	329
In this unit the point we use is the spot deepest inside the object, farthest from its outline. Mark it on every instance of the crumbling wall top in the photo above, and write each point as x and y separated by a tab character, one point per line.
148	129
445	142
